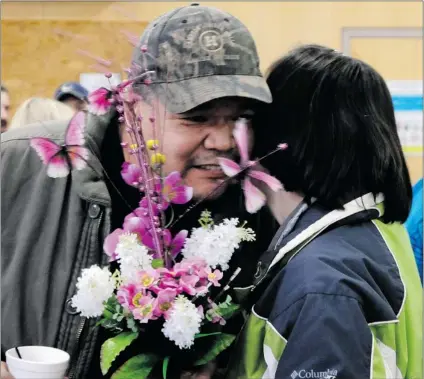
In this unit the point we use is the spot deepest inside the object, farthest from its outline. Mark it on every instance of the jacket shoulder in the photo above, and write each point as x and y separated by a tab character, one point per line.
54	130
351	261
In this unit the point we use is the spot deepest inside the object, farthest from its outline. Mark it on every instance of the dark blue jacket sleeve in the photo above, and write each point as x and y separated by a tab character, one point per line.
327	334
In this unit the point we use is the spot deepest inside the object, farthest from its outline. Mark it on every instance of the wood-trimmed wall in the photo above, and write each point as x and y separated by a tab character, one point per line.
36	60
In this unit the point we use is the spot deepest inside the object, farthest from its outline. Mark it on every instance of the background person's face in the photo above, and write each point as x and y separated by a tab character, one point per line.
76	104
193	141
5	106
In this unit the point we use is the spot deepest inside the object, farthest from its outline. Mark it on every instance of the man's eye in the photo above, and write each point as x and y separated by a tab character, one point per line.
196	119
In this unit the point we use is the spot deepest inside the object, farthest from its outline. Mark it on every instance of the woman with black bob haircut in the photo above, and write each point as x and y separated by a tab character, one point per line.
337	294
337	116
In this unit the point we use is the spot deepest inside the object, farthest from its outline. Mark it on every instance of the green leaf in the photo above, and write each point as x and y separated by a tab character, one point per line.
200	335
113	347
220	344
229	311
165	367
107	313
158	263
137	367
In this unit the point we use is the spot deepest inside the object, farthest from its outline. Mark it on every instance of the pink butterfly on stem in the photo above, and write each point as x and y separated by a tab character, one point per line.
61	159
255	199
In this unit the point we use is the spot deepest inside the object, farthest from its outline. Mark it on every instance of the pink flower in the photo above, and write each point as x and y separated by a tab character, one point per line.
148	278
131	174
110	243
164	302
202	286
254	197
169	282
144	206
188	284
129	296
144	312
100	101
136	222
174	191
172	245
214	277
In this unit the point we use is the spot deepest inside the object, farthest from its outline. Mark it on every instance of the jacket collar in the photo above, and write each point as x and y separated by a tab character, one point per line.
90	181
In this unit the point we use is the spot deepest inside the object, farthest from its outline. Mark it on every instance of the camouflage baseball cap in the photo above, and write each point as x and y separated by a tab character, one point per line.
199	54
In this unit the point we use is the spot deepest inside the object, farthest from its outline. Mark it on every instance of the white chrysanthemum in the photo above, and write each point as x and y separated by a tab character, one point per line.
183	323
132	257
95	286
217	244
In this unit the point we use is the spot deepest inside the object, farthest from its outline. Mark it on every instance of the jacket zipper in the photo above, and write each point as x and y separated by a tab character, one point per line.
73	367
77	340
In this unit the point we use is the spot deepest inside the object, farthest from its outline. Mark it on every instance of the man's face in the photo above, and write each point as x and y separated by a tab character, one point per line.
192	141
5	106
75	103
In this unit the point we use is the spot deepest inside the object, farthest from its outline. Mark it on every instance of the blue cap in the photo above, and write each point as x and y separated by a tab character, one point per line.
71	88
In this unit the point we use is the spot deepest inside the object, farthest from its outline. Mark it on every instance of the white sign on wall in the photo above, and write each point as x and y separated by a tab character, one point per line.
93	81
407	98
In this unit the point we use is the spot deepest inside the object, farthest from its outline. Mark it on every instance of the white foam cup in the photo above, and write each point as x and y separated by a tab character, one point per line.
38	362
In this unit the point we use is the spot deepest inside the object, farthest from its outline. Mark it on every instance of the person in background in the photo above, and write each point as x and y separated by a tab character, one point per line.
38	109
5	106
414	225
72	94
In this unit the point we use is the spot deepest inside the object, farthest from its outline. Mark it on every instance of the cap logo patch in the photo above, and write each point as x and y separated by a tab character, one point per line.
211	40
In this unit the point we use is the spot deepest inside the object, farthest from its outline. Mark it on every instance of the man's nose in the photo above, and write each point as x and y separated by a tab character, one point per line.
220	136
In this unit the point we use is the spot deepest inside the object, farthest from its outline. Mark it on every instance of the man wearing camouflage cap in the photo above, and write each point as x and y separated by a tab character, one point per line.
206	77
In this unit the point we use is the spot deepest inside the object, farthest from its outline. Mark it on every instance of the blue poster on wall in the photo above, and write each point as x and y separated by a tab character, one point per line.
408	104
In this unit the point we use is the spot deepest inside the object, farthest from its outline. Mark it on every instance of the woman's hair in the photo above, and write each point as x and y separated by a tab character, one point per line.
336	114
37	109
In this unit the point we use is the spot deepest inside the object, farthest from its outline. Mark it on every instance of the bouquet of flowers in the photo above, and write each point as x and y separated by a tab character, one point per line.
164	285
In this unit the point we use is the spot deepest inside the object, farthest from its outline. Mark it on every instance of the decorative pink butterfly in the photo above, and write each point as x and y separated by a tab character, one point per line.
255	199
60	160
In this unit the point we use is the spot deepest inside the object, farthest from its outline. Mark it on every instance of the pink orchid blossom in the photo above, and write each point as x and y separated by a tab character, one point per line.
214	277
164	302
110	243
174	191
131	174
173	245
144	207
254	198
136	222
144	312
100	101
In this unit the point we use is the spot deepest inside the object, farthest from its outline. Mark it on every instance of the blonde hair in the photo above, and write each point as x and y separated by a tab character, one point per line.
38	109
